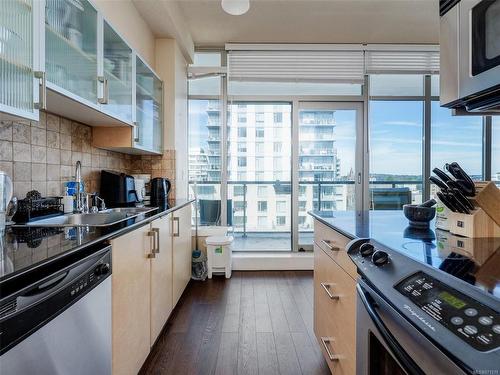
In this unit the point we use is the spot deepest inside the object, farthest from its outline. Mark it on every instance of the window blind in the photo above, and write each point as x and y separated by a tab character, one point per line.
296	66
402	62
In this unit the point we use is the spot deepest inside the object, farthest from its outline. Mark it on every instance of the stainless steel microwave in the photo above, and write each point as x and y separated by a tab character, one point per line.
470	55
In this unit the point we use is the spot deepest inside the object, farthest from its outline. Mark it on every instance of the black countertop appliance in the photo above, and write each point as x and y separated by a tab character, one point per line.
160	188
118	189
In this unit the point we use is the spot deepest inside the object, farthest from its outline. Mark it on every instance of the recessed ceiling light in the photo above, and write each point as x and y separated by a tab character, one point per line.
235	7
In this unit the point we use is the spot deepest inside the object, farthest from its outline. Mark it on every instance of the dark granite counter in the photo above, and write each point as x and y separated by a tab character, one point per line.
475	260
24	248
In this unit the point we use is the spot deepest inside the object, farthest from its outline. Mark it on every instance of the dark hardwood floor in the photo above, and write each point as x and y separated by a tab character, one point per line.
253	323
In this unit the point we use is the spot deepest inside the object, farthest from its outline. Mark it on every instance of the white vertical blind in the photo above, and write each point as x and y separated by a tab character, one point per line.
296	66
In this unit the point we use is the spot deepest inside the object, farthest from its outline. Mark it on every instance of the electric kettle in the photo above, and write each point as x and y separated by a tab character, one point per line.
5	196
159	190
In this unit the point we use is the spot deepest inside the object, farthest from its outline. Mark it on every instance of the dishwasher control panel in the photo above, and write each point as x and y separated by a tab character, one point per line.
100	270
473	322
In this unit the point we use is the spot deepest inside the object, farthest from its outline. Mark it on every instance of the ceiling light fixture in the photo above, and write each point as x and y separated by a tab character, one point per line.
235	7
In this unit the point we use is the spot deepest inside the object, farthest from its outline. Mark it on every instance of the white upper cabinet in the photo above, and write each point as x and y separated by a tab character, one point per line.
64	57
71	44
19	59
149	104
117	77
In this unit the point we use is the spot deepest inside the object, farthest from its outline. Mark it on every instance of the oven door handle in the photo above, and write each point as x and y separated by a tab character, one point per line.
408	364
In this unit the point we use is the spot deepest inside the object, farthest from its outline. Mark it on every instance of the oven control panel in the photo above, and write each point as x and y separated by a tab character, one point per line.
473	322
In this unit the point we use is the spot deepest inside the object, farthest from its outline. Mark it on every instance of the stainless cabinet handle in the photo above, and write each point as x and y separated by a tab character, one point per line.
42	96
326	287
105	90
329	245
324	341
152	254
176	233
136	133
156	231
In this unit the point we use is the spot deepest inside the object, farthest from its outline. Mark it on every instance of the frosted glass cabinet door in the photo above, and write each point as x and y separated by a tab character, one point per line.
118	75
158	115
17	82
149	108
71	47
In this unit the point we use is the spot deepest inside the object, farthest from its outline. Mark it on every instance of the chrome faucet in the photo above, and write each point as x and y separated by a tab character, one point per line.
78	196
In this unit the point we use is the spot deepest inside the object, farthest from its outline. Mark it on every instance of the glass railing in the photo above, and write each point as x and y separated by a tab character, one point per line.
271	201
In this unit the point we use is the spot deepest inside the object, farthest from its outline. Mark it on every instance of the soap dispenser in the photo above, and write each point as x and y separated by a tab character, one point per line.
68	202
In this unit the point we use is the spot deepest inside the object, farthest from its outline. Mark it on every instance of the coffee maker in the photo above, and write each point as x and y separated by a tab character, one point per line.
118	189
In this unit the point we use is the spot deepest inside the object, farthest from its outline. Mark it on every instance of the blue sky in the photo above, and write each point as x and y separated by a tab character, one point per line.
396	137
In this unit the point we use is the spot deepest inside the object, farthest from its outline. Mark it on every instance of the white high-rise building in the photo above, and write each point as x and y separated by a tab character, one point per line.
259	164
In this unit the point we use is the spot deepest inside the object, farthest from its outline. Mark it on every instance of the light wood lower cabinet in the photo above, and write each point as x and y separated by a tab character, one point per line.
148	279
334	311
181	234
161	276
131	302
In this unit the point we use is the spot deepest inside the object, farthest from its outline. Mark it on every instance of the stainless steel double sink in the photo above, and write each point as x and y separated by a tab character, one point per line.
99	219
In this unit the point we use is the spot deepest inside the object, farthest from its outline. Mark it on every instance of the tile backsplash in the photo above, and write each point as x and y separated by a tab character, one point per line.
41	155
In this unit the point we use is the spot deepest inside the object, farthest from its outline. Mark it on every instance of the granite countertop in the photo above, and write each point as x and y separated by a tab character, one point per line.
23	248
389	228
433	247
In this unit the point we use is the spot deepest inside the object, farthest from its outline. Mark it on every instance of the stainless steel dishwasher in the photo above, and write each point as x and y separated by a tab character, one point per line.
57	319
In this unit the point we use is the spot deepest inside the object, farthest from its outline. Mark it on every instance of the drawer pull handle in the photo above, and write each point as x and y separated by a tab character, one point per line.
329	245
326	287
324	341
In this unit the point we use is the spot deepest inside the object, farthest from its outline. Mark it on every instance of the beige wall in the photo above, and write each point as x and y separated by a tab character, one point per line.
125	18
171	67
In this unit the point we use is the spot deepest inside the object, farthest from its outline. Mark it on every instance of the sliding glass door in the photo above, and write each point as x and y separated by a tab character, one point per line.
329	163
259	168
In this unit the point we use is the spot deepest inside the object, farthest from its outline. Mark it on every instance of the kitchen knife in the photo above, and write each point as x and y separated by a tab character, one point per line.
463	199
443	198
438	182
456	171
466	188
458	185
442	175
455	202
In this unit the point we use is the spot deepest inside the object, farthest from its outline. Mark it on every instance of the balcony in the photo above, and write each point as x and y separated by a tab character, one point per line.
255	226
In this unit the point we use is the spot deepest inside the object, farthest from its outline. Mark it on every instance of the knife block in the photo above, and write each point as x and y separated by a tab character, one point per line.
488	198
476	224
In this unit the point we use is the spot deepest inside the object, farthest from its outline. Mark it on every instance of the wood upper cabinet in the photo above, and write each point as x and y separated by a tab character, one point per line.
131	303
181	232
334	303
161	275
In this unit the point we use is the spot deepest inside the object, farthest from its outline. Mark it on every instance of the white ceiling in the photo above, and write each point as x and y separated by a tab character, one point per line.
313	21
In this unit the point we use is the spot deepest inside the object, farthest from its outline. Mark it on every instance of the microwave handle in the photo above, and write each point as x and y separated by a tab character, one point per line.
396	349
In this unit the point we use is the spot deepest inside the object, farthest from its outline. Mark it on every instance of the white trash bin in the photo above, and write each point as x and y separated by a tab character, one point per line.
219	250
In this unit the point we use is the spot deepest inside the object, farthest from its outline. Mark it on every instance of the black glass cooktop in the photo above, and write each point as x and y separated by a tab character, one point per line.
474	260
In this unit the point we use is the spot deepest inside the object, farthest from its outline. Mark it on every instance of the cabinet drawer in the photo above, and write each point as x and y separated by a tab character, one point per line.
334	313
334	245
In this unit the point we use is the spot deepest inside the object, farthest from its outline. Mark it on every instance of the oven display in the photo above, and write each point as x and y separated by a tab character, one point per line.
452	300
473	322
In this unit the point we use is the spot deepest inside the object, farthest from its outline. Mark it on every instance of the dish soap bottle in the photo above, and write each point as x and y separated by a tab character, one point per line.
67	202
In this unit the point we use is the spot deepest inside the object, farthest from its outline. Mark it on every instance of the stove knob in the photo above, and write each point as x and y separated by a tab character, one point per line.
102	269
366	249
379	258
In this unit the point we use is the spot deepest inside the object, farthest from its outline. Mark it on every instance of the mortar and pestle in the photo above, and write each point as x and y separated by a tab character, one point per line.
420	215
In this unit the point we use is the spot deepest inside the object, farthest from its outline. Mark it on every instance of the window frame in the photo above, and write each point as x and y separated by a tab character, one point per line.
364	97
